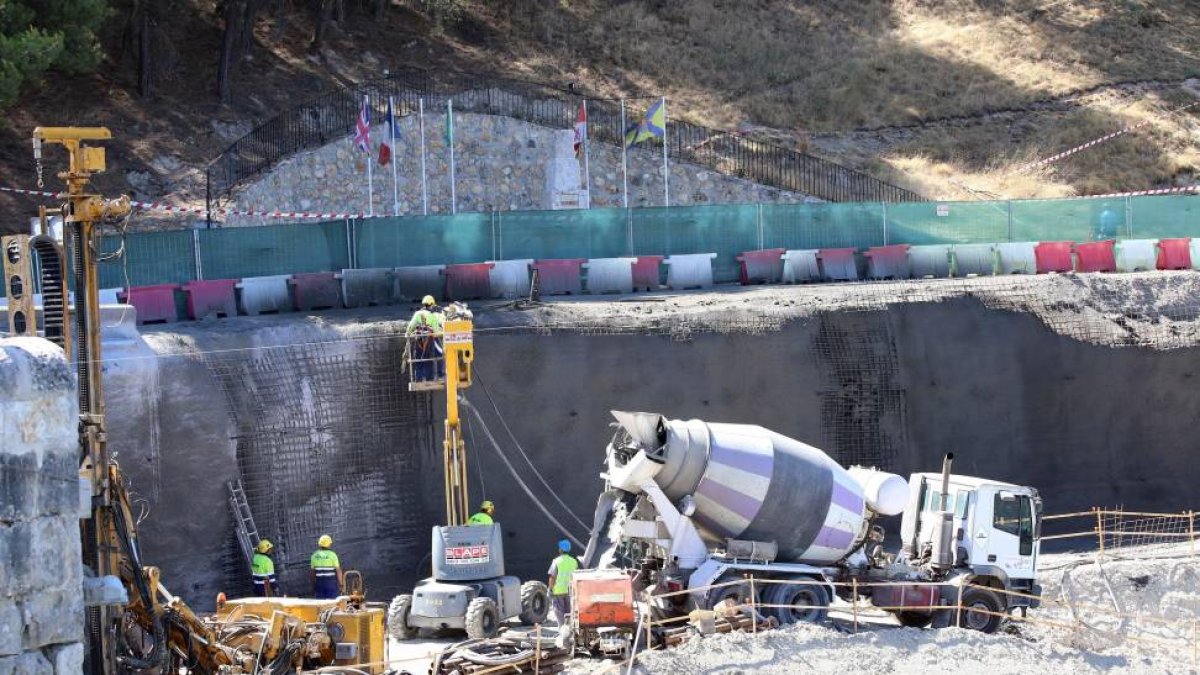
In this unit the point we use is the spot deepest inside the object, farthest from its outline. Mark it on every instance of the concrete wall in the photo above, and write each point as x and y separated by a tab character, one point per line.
898	384
41	595
500	164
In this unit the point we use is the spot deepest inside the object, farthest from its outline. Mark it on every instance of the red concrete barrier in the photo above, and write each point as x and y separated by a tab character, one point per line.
762	266
216	297
647	272
153	303
468	282
888	262
564	276
1095	256
1174	254
837	264
316	290
1054	256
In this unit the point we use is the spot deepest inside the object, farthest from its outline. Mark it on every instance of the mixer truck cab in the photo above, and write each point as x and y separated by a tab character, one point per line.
994	532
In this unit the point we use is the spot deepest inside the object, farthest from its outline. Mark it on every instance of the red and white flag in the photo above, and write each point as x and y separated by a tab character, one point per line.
580	129
362	130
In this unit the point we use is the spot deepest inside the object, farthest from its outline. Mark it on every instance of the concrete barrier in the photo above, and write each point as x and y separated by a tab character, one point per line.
1017	257
560	277
1134	255
692	270
510	278
263	295
315	290
372	286
210	298
888	262
838	264
929	260
414	283
800	265
610	275
974	259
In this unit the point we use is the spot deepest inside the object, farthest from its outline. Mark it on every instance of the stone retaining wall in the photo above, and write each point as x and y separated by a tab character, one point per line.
500	164
41	598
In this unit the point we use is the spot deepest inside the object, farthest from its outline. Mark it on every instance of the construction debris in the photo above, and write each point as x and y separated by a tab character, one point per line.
538	650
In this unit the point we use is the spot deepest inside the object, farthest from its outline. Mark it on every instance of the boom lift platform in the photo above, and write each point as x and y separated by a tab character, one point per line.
468	589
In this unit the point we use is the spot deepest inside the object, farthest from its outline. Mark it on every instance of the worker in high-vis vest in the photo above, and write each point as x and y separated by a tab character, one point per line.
263	570
487	510
325	570
424	334
561	569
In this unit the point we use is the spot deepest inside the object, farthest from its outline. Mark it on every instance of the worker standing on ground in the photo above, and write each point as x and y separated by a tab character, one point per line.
487	511
263	569
326	570
424	335
561	570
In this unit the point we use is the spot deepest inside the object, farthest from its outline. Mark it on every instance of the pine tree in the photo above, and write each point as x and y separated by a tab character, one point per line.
39	35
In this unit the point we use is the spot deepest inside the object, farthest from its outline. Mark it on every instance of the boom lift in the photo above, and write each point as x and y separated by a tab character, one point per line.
148	629
468	590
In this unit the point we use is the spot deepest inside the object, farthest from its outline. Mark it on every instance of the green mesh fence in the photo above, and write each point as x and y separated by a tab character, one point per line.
425	240
149	258
233	253
727	230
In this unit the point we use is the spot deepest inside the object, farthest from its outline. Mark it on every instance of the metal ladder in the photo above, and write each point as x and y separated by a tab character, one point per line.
243	520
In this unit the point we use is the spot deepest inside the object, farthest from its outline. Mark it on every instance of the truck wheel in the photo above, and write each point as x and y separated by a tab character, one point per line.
483	618
914	619
982	610
397	618
812	598
737	592
535	602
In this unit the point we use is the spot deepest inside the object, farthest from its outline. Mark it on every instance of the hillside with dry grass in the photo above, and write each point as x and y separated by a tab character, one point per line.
949	97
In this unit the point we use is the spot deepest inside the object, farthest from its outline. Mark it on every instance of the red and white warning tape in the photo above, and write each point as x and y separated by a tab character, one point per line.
1097	141
200	211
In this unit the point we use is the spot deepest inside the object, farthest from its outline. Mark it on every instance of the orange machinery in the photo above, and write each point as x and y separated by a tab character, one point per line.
605	616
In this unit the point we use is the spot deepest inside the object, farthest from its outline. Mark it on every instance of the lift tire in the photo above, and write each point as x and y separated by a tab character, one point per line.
397	618
535	603
914	619
806	594
483	619
983	600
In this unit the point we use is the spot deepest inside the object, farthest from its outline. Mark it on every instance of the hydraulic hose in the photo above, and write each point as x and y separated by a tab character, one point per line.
496	446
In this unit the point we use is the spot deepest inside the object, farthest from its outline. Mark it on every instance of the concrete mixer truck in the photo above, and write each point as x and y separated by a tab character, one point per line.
693	504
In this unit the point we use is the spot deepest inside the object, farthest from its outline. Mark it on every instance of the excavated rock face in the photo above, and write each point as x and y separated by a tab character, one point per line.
41	597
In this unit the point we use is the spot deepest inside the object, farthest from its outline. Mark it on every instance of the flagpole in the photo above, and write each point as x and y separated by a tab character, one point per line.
587	170
624	158
395	181
370	184
450	142
424	176
666	169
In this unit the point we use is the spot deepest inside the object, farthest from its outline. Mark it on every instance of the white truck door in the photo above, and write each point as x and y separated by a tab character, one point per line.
1002	532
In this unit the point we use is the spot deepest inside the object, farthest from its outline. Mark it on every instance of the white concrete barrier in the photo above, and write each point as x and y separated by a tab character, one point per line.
692	270
929	260
974	259
610	275
510	278
260	295
1017	257
800	265
372	286
1135	255
418	281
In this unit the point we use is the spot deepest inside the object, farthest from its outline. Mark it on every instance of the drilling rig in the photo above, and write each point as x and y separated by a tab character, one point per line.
133	623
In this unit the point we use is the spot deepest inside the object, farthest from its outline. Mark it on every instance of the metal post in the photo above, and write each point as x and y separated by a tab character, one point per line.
666	168
587	168
624	159
854	600
196	254
208	197
350	244
1010	221
753	607
761	244
885	223
424	175
1129	216
1099	531
958	607
450	142
1191	533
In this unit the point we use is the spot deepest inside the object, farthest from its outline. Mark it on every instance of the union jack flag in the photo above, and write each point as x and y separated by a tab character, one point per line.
362	130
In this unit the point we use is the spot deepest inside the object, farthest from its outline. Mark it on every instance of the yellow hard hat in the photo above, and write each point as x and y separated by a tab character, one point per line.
264	546
325	541
428	301
487	506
